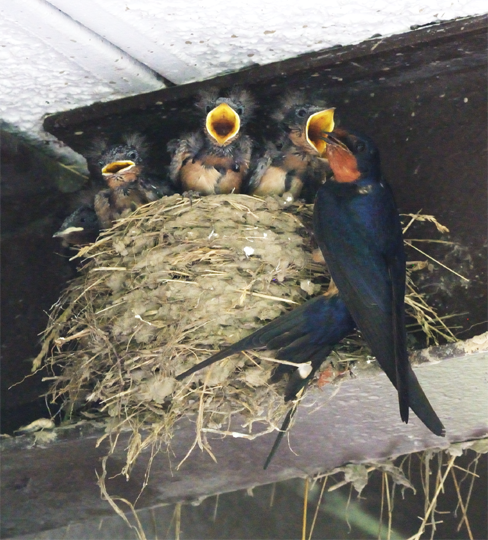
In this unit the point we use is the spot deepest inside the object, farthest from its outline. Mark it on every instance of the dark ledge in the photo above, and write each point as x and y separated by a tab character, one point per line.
354	422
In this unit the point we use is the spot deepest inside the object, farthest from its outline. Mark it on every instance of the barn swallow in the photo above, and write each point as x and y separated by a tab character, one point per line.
306	335
112	204
216	159
122	167
298	159
358	229
120	164
125	163
81	227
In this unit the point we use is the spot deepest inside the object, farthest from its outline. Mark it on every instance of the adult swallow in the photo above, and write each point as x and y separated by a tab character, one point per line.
216	159
298	158
358	229
81	227
306	335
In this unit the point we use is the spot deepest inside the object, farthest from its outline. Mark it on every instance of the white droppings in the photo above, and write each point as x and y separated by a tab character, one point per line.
37	425
304	370
476	344
248	251
307	286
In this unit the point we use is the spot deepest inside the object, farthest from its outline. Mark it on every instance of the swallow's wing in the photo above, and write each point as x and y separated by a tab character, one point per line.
103	208
299	334
243	151
359	232
259	170
183	150
305	334
156	187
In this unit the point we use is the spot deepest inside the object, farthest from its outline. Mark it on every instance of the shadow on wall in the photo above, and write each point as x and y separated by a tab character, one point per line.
34	269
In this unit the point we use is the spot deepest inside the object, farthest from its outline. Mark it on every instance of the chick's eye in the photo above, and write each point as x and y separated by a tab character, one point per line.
208	108
132	154
100	163
360	146
301	113
82	220
240	110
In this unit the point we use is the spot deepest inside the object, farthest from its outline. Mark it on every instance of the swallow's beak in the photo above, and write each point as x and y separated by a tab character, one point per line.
223	124
317	123
333	141
67	231
117	167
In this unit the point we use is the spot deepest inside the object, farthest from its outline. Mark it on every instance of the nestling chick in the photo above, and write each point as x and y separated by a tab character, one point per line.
296	160
123	163
216	159
130	186
81	227
112	204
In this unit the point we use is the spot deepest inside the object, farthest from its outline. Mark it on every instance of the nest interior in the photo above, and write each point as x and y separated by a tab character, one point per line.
165	288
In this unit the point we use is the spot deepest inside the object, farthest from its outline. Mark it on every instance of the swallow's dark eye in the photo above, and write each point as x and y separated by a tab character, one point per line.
208	108
301	113
360	146
132	155
240	110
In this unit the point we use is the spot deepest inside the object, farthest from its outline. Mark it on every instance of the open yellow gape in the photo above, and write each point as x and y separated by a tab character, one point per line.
317	123
117	166
223	124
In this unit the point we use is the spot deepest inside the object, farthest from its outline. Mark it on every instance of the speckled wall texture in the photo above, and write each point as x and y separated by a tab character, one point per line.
60	54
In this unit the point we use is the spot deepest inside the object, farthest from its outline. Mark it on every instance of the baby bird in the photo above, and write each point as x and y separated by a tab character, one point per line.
295	162
216	159
81	227
129	185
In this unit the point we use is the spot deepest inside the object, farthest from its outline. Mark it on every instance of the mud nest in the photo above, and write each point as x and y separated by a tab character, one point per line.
166	287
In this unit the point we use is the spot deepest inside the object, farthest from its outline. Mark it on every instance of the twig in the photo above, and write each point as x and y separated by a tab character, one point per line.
267	296
305	504
433	502
436	261
317	508
461	504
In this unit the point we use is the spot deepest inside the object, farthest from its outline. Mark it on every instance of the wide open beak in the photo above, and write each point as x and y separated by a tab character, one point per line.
66	232
117	167
317	123
223	124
